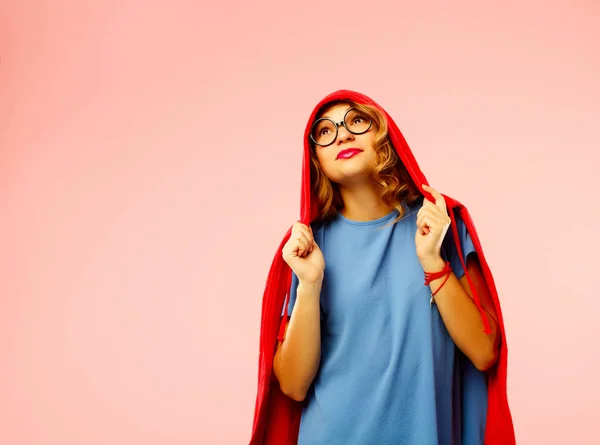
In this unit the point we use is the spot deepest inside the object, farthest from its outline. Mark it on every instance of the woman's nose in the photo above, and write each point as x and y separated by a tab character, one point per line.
343	135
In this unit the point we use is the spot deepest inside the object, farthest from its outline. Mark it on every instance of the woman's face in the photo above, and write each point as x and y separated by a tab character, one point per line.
351	157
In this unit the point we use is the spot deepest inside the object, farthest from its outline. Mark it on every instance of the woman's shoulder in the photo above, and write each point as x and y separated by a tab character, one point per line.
319	225
412	207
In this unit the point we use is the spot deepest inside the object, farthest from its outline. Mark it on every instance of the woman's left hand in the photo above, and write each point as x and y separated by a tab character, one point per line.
432	224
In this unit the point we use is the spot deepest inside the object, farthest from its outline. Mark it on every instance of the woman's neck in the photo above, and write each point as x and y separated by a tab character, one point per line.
363	203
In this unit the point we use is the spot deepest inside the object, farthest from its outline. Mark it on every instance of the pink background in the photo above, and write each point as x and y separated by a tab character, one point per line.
150	164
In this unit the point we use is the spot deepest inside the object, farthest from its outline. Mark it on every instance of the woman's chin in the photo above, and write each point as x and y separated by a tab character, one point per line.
352	177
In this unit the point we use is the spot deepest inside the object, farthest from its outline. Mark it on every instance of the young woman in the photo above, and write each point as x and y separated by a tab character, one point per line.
392	333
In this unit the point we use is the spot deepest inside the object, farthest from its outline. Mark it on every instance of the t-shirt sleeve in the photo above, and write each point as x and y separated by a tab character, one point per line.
450	250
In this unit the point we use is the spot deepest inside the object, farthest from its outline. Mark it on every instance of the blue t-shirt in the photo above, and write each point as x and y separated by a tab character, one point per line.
390	373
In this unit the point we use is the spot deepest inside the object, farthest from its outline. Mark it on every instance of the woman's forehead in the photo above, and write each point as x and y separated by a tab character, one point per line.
334	110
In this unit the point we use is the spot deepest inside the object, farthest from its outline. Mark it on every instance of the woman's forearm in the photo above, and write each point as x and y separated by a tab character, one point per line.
297	359
463	319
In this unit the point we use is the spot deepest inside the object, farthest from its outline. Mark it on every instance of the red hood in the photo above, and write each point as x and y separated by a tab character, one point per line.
308	208
276	417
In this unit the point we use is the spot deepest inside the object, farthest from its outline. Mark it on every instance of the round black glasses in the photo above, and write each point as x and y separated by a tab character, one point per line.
324	131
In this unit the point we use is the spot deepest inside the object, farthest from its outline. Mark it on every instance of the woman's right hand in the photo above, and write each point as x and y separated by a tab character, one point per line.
303	255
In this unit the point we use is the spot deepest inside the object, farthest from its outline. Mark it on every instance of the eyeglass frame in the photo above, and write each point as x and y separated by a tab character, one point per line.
337	126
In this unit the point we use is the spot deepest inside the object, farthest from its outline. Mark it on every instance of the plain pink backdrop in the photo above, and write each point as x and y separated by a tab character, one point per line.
150	158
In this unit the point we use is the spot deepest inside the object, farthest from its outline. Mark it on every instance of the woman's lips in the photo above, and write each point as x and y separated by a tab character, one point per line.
348	153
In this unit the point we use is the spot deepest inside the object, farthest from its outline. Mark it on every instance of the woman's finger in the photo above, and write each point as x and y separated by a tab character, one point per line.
307	237
439	199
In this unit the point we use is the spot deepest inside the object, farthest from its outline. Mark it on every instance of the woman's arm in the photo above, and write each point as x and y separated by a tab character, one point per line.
297	359
460	314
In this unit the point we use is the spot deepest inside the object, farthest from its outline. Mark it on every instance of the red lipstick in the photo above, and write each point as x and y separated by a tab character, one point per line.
348	153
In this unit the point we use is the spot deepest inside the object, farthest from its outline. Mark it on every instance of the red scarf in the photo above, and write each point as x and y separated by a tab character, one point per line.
276	416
